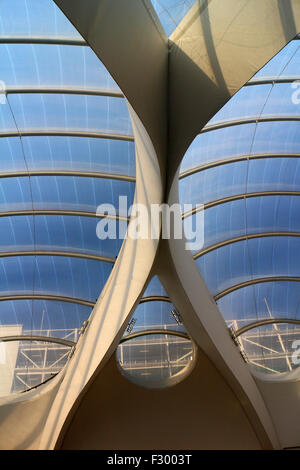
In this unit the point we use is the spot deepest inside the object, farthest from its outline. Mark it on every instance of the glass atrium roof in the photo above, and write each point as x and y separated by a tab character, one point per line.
66	146
244	167
171	12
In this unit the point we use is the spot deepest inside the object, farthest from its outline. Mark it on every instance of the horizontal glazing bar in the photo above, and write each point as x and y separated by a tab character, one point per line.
242	238
43	339
269	321
66	254
239	158
236	197
57	298
68	133
256	281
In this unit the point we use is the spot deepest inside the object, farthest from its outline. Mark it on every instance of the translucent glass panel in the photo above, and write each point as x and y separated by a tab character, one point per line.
62	193
69	112
15	194
248	102
67	153
171	12
252	215
242	140
272	349
79	154
34	18
213	184
264	174
78	193
283	64
217	145
11	154
53	66
276	138
44	317
59	233
279	299
255	258
281	102
55	275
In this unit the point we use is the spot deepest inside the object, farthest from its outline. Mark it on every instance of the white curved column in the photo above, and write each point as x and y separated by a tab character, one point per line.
117	300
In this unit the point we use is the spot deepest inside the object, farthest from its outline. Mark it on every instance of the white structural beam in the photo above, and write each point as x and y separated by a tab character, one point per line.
118	299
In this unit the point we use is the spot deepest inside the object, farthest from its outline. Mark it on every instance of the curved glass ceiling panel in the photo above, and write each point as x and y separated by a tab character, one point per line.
246	103
44	317
279	65
17	233
221	222
7	122
219	144
271	174
79	154
276	138
251	303
71	112
292	67
15	194
76	234
212	184
55	275
281	102
171	12
245	260
250	216
78	193
274	174
38	18
53	66
11	154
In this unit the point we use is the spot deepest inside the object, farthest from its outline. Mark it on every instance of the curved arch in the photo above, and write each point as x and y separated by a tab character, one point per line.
256	281
238	158
269	321
151	298
62	212
254	120
68	133
57	298
237	197
155	332
250	236
42	40
66	254
81	174
44	339
63	91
